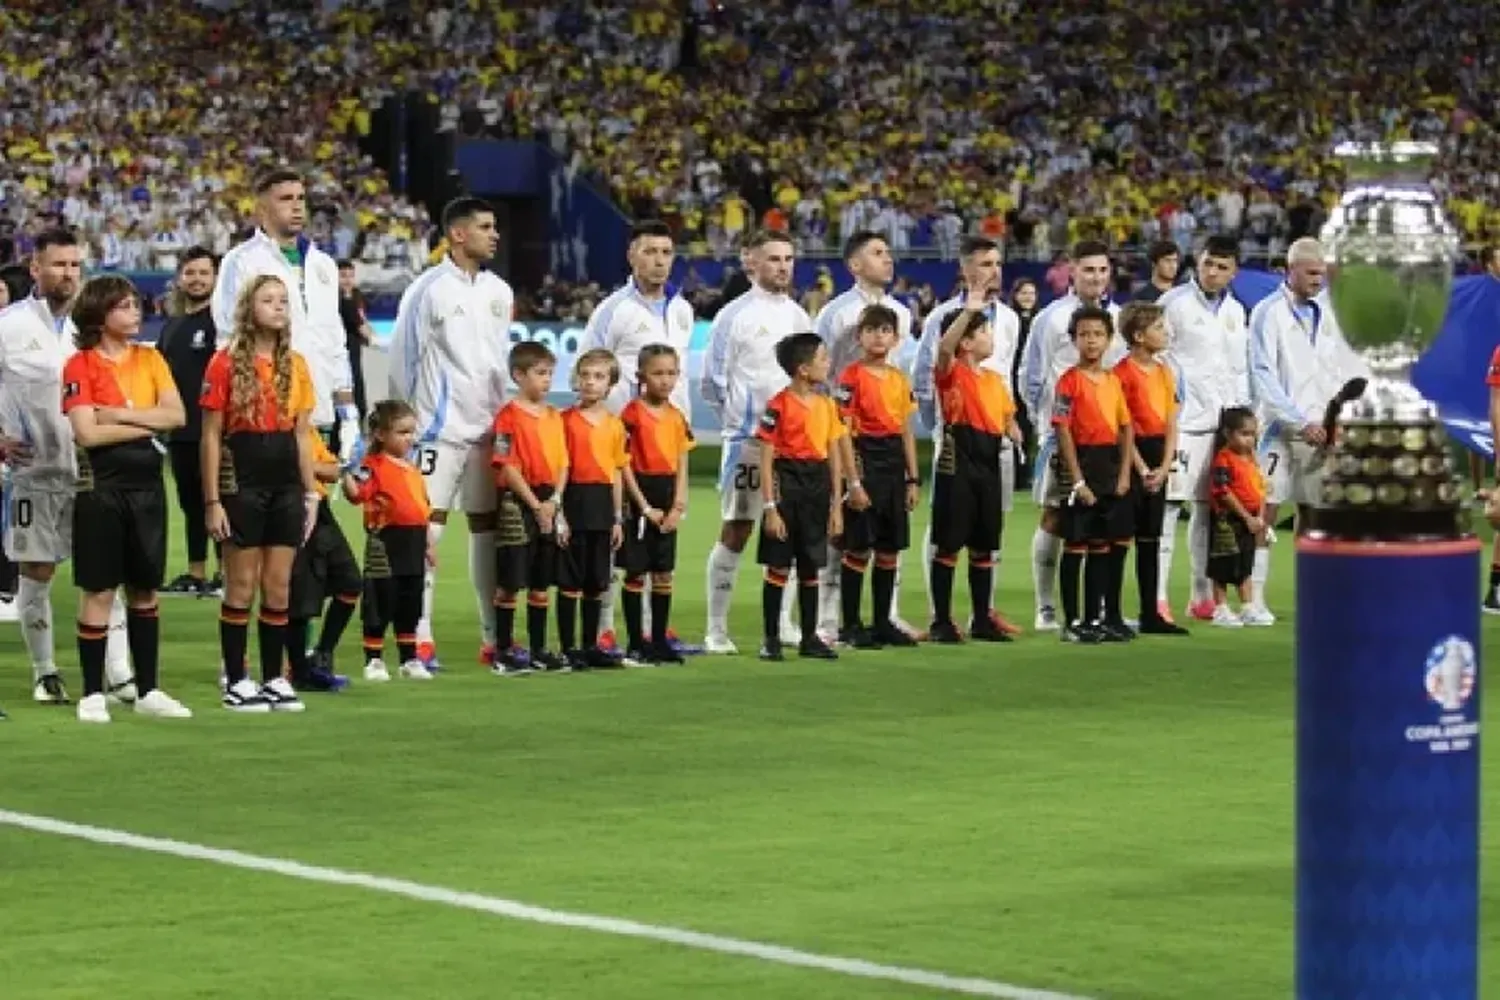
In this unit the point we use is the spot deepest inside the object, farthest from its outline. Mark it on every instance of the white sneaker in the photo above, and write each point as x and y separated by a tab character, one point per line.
126	693
10	611
1046	619
413	670
1257	616
94	708
791	635
719	645
375	671
160	705
1224	618
281	696
245	696
49	690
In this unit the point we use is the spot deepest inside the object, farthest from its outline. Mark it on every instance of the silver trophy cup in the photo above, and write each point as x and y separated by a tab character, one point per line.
1391	249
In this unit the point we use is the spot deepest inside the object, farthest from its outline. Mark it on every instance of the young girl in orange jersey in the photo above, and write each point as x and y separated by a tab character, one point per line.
258	486
1237	495
394	498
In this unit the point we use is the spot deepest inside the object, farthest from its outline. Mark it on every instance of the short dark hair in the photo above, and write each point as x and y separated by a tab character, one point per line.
1136	318
1160	249
952	317
384	414
970	245
464	208
797	350
528	354
60	236
99	296
1083	314
345	264
1220	245
651	352
650	227
197	252
877	317
859	239
17	281
279	175
1090	248
761	237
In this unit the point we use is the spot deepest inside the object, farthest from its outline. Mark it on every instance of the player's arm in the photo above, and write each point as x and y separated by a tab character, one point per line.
89	432
225	296
1169	455
714	384
1067	449
1266	384
921	375
1127	449
596	333
1034	365
407	338
305	463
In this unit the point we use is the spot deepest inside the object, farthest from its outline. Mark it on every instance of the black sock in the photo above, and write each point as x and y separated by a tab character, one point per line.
335	621
505	625
536	624
981	583
851	589
590	611
661	611
807	608
270	635
631	604
882	594
770	607
1147	574
1115	585
567	620
1494	579
942	590
143	635
234	639
1095	582
297	632
1068	569
92	642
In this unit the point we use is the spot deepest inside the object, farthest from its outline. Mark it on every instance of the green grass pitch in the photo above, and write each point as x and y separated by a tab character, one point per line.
1109	822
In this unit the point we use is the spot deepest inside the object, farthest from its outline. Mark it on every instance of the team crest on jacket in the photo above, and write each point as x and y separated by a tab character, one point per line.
325	276
497	309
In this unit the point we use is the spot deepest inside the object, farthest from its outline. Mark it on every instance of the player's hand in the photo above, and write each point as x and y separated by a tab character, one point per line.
1085	495
1256	525
1314	435
217	522
859	497
309	515
670	521
836	521
616	537
774	525
15	453
913	497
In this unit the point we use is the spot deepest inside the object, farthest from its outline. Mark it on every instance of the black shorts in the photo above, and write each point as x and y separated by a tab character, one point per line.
120	539
967	510
1148	509
804	498
396	550
884	526
1231	549
265	517
586	564
325	567
1109	519
646	548
525	559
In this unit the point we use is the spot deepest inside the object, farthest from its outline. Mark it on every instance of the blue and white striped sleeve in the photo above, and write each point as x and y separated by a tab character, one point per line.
922	374
1266	386
823	326
1034	363
596	333
714	386
407	338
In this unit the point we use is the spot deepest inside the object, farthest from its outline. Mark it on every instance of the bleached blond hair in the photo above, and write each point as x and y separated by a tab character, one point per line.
1307	250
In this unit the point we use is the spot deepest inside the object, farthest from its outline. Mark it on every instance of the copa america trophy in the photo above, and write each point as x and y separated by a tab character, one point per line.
1388	629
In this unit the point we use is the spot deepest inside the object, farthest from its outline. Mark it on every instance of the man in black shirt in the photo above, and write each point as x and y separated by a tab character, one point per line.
187	344
1165	260
356	331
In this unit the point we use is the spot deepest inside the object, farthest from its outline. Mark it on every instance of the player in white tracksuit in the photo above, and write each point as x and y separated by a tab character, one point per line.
1208	346
646	310
1049	353
740	376
868	257
1299	361
979	263
36	339
449	358
312	282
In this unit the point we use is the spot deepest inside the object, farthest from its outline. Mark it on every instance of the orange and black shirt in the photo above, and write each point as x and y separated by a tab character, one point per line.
392	493
137	379
800	428
977	409
1091	405
533	443
596	454
1151	398
320	456
1237	475
658	439
259	452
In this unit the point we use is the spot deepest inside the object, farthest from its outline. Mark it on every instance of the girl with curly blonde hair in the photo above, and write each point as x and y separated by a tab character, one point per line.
258	486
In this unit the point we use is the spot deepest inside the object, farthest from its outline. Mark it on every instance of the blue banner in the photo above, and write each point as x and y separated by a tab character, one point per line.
1452	371
1388	709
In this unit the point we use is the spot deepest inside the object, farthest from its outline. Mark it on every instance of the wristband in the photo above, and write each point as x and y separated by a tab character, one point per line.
769	505
855	484
913	481
311	497
211	503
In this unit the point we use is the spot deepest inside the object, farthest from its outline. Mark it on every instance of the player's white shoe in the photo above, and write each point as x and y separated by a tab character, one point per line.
376	672
10	611
791	635
126	693
1225	618
413	670
281	696
49	690
93	709
1257	616
245	696
160	705
718	644
1046	619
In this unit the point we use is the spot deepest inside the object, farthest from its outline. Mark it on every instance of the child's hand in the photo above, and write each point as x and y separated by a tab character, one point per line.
774	525
1256	525
654	515
978	297
616	537
835	521
562	532
1014	433
432	555
546	516
670	521
1122	484
859	497
1085	496
913	497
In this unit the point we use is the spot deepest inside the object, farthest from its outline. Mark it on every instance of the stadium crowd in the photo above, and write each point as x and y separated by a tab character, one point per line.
142	124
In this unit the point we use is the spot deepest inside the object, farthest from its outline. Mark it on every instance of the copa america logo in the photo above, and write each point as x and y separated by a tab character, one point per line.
1451	671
